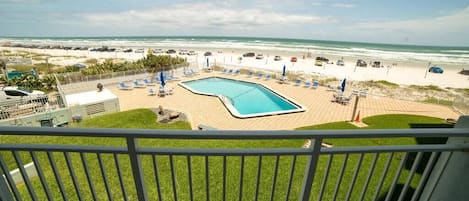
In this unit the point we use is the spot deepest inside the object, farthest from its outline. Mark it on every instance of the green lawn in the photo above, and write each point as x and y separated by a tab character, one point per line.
144	118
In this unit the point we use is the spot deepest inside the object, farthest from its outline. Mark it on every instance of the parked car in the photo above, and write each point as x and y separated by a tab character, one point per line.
376	64
340	62
207	54
259	56
171	51
435	69
139	51
157	51
293	59
19	93
464	72
249	54
127	50
361	63
323	59
277	58
192	52
318	63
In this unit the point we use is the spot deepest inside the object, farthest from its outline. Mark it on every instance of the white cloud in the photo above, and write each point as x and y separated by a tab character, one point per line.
343	5
450	28
202	15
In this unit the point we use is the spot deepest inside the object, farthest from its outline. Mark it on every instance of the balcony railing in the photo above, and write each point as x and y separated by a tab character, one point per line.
142	165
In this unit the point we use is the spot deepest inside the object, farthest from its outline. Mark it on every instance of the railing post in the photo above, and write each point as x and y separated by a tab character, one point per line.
310	169
449	178
5	194
136	168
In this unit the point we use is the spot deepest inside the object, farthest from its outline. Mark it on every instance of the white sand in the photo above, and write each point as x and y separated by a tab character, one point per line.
406	73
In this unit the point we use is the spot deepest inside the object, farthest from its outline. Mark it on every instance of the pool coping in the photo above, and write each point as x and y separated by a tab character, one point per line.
234	112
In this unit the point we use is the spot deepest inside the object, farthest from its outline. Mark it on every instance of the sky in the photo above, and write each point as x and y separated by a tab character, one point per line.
416	22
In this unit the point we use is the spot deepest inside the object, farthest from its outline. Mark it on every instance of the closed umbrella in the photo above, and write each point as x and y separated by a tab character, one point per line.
163	82
207	63
343	85
284	72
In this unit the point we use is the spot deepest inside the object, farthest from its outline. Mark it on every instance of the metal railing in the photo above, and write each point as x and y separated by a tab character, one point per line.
155	170
30	105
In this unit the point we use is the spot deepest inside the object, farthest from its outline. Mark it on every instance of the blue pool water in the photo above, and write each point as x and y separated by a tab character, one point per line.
249	99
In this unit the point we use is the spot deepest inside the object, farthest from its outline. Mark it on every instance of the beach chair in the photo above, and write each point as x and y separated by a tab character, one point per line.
268	76
330	88
123	86
169	91
297	82
187	73
148	82
315	85
307	84
173	78
156	79
151	92
282	79
139	85
229	71
194	72
224	71
250	73
363	93
260	75
237	71
355	92
161	92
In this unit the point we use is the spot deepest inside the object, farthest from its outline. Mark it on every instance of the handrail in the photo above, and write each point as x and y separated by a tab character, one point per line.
233	134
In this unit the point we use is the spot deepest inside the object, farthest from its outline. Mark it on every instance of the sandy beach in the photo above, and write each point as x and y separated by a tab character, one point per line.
396	71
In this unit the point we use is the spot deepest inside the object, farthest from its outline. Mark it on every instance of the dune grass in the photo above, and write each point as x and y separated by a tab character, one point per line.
144	118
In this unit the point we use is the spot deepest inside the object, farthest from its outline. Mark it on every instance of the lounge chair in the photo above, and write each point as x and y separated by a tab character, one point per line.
123	86
282	80
161	92
139	85
315	85
230	71
151	92
260	75
363	93
355	92
331	88
156	79
250	74
225	70
297	82
268	76
148	82
307	84
172	78
194	72
188	73
236	72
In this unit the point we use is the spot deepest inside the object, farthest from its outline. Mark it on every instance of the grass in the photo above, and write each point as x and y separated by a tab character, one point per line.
144	118
433	100
426	88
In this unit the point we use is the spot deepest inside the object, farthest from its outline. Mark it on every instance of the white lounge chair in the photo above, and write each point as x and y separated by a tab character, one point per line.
307	84
297	82
268	76
151	92
250	74
363	93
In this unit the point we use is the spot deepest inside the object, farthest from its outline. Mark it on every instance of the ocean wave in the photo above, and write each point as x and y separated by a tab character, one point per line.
446	55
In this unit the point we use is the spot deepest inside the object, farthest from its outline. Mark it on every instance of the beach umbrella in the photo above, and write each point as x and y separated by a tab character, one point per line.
163	82
207	63
343	85
284	72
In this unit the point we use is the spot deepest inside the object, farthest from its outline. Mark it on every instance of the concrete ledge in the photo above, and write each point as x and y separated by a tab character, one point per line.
16	174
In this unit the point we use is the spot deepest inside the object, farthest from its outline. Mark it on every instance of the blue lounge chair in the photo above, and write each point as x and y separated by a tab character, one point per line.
236	72
188	73
307	84
297	82
260	75
123	86
315	85
148	82
268	76
151	92
250	74
172	78
139	85
224	71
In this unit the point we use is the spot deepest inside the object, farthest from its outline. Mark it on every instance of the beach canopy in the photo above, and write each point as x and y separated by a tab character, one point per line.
284	71
342	88
163	82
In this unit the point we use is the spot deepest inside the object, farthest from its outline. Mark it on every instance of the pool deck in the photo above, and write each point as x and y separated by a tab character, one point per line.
210	111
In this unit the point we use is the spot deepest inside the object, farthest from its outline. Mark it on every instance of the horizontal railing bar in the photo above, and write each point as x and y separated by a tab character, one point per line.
63	148
395	148
233	134
225	152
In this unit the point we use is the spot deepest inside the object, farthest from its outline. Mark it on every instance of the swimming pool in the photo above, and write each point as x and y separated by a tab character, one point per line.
243	99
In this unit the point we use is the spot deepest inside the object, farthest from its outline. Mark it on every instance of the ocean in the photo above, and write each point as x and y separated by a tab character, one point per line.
434	54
